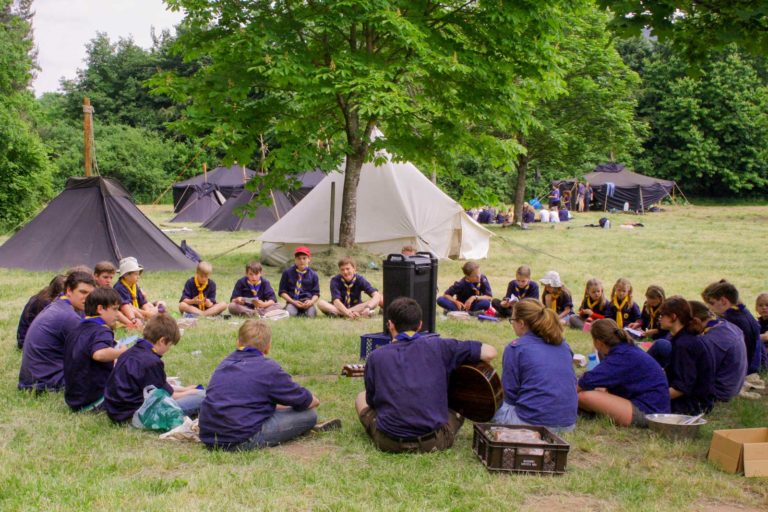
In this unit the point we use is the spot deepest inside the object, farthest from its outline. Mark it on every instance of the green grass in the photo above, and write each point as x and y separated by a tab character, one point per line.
54	460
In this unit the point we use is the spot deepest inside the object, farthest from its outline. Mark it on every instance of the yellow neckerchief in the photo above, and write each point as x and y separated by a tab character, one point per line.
200	294
254	287
100	320
133	289
519	291
710	325
553	300
651	315
476	286
348	296
620	310
300	276
592	305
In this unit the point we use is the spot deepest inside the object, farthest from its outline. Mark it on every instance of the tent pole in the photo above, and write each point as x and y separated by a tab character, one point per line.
681	193
333	206
642	203
205	173
87	133
605	205
274	203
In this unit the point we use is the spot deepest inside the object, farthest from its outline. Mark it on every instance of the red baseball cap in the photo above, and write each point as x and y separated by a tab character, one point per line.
302	250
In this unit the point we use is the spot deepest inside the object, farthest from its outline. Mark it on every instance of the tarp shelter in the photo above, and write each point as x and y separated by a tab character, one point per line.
203	203
229	180
614	185
92	220
231	217
396	205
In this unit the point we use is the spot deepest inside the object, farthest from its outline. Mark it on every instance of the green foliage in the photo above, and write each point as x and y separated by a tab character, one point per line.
475	182
710	132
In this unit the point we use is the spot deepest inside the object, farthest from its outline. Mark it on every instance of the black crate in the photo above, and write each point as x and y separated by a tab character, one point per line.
414	277
521	457
371	341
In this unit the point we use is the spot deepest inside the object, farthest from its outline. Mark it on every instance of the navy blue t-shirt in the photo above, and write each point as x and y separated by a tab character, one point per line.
598	309
350	294
42	362
33	308
629	313
743	319
529	291
137	368
262	291
125	294
406	382
725	344
242	395
691	371
630	373
84	377
299	286
650	320
463	289
564	300
190	290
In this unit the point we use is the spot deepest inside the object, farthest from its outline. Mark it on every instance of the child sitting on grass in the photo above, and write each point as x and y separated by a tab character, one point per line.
136	308
556	296
627	384
649	317
199	295
251	401
141	366
347	289
91	352
593	305
253	294
104	273
472	293
300	286
622	308
36	304
521	287
761	306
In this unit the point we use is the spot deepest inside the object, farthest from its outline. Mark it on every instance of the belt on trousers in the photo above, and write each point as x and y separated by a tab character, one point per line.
418	439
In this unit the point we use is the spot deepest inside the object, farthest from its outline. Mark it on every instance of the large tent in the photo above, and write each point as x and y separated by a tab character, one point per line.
229	180
204	202
93	219
396	205
614	185
309	180
231	215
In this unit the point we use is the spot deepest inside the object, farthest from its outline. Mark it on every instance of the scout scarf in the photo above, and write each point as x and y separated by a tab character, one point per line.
133	289
348	292
652	315
712	323
200	294
620	310
476	286
250	349
521	292
592	305
407	336
95	320
65	299
553	301
254	287
297	288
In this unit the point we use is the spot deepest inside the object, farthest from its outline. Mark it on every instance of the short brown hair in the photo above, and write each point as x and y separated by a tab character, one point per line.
678	306
162	326
347	260
469	267
540	320
254	266
655	292
523	271
204	268
104	267
719	290
255	333
700	310
607	331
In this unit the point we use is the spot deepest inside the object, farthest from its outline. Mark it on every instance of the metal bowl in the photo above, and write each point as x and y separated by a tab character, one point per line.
670	425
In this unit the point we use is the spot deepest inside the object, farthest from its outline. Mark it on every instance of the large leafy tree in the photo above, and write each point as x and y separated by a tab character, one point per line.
320	77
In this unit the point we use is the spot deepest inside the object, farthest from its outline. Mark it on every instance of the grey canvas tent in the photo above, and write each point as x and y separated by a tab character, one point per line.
229	180
93	219
203	203
309	180
230	216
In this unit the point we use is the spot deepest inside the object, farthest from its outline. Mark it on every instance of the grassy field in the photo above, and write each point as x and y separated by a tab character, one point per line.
54	460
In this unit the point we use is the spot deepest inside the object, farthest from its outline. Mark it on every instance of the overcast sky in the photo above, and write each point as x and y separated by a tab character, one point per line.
63	27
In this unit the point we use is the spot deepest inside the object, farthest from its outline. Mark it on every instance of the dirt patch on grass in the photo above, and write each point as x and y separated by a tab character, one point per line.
305	451
714	506
579	502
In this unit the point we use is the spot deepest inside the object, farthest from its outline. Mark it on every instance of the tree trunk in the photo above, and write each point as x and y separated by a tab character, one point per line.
349	198
522	170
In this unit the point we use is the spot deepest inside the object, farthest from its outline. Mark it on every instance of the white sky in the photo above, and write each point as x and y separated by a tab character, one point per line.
63	27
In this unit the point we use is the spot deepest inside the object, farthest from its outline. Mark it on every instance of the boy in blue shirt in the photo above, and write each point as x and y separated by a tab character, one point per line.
471	293
521	287
404	407
251	401
199	295
347	288
42	362
91	352
300	286
141	366
253	294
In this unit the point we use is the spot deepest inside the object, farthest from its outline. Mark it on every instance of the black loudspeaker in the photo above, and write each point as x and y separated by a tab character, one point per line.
414	277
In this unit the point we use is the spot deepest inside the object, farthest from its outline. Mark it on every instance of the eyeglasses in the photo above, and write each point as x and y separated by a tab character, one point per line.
512	320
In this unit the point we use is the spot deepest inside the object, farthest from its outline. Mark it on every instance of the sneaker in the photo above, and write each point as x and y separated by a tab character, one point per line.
326	426
754	378
749	395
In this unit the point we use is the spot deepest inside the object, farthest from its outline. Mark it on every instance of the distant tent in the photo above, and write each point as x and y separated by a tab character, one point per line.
230	181
203	203
613	185
309	180
230	217
398	205
93	219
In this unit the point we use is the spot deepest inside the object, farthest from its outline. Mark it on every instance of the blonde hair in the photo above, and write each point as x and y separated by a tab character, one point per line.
655	292
593	282
523	271
540	320
622	281
761	299
254	333
204	268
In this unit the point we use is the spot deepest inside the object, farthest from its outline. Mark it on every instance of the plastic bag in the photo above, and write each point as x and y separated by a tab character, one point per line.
159	411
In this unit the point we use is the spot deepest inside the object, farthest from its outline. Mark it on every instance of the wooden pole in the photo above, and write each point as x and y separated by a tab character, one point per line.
205	173
642	206
87	133
333	211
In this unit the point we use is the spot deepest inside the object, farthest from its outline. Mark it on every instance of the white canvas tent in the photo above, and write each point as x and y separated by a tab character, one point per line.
396	205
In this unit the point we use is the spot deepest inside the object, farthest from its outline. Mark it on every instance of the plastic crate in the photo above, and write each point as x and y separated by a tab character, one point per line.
371	341
521	457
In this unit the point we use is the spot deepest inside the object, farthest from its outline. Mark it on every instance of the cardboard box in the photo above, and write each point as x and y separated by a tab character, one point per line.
743	450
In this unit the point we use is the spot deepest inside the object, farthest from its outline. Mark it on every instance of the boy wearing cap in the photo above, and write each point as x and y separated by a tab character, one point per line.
347	289
404	407
472	293
556	296
134	306
42	362
199	295
300	286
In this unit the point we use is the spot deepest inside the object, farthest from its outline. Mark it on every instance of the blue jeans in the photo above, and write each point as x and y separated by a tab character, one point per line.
661	351
190	404
478	305
507	415
284	425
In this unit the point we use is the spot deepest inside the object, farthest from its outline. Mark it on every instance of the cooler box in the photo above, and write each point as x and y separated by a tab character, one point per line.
414	277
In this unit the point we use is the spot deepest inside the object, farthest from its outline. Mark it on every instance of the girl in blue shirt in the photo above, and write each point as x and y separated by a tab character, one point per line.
537	372
627	384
